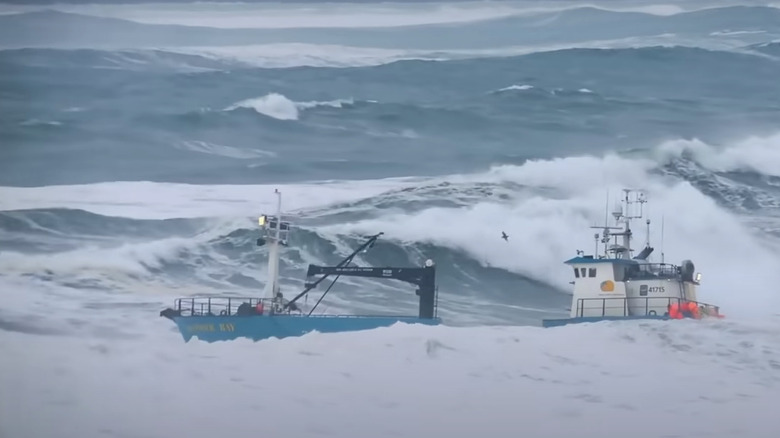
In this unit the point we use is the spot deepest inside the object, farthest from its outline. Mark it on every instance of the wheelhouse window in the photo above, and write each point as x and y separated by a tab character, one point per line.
577	272
591	272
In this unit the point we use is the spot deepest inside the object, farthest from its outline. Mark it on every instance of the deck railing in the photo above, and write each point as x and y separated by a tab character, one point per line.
219	306
241	306
620	306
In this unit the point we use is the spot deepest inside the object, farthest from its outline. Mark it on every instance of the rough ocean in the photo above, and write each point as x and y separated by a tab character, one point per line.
139	143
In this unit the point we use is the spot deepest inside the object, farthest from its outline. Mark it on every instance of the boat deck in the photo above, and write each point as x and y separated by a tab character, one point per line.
617	309
217	306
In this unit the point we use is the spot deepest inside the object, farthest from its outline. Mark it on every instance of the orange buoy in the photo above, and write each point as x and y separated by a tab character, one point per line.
694	309
674	311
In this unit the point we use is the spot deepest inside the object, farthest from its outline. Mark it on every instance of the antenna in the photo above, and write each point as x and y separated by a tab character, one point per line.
605	230
605	239
647	237
662	239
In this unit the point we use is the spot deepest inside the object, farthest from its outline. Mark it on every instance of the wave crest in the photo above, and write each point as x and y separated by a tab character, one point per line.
280	107
459	218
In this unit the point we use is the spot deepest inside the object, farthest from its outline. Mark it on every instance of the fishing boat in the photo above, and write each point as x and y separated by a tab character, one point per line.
224	318
616	285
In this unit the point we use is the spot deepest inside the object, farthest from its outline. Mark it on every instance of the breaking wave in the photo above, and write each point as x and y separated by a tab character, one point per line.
59	232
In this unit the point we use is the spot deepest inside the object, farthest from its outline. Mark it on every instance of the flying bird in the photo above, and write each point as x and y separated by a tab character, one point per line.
504	236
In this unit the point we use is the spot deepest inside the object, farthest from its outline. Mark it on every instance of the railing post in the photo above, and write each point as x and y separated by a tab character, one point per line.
603	307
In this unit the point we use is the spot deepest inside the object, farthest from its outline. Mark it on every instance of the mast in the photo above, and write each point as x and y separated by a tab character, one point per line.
605	231
275	234
622	215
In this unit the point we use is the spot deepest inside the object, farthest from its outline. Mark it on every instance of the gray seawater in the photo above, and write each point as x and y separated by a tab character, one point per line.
441	133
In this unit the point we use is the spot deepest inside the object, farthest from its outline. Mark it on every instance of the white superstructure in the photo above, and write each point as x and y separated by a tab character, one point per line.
616	283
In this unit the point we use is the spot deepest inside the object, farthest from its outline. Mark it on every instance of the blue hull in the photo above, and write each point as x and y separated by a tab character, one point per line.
579	320
257	327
